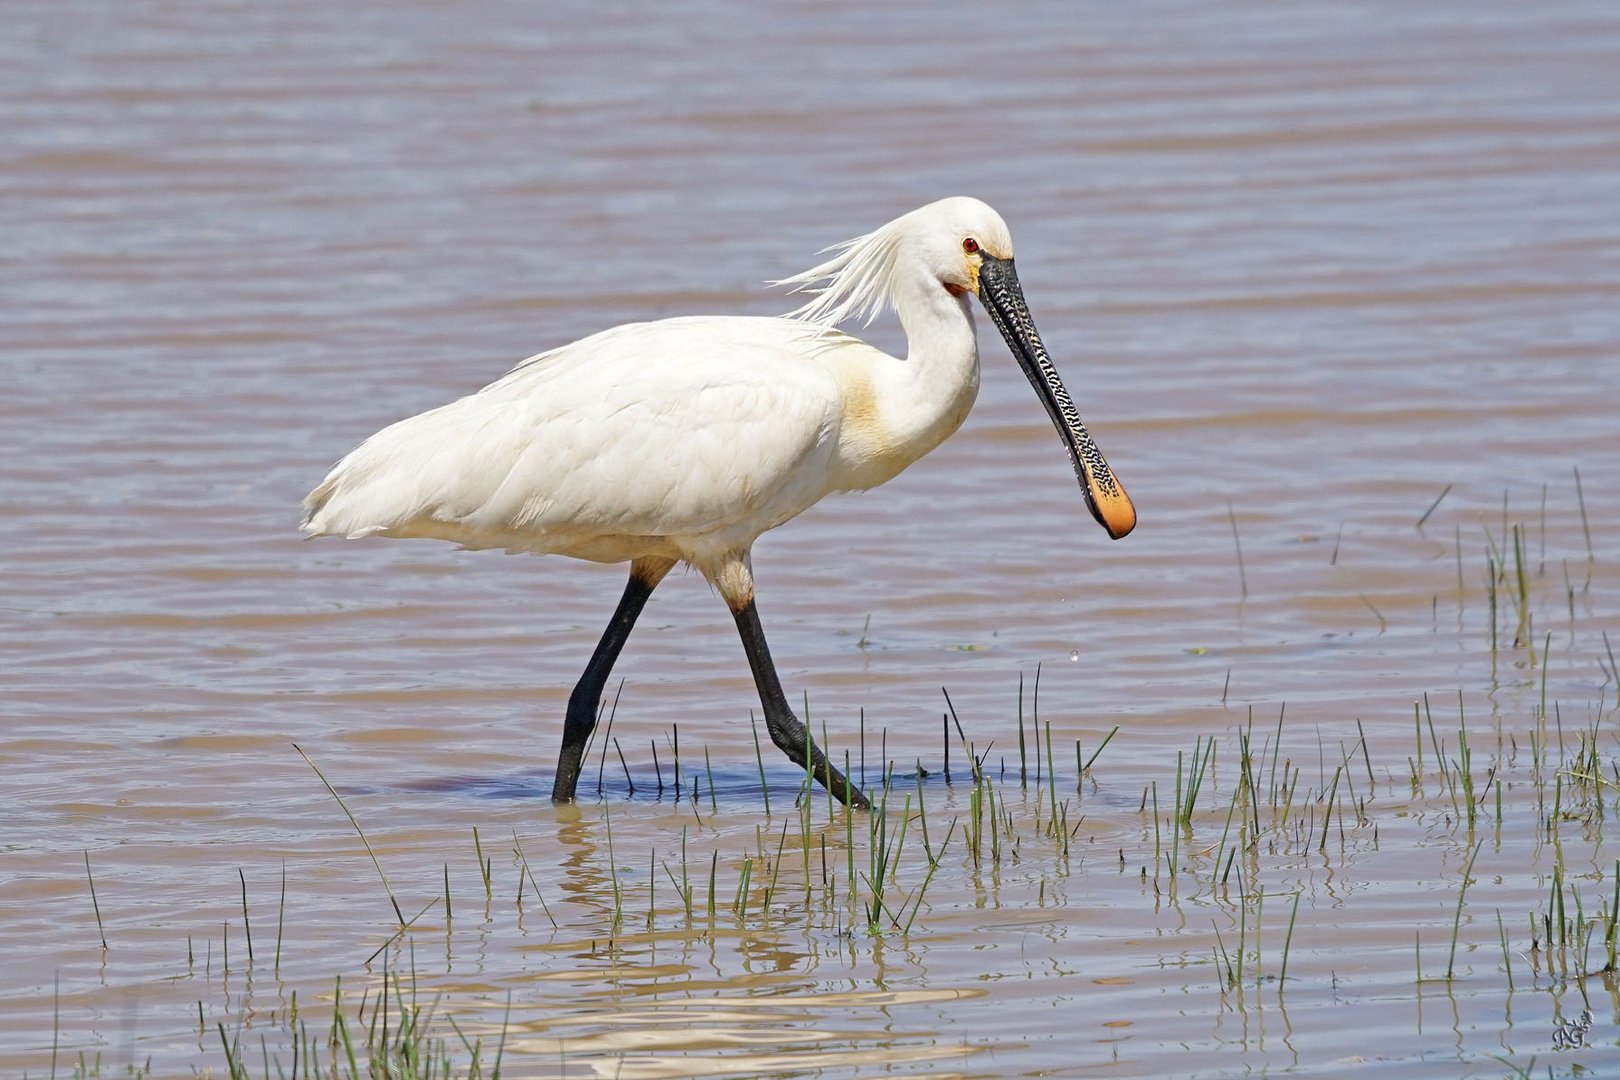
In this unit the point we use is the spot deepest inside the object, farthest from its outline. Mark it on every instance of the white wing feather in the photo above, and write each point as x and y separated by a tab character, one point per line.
684	428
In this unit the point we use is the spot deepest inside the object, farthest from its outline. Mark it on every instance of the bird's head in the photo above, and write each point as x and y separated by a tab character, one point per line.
953	239
964	246
968	247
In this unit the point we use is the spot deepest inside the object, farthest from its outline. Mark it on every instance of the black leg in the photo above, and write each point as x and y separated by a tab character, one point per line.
787	732
645	574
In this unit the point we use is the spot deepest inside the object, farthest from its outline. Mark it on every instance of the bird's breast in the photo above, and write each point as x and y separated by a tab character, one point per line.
886	428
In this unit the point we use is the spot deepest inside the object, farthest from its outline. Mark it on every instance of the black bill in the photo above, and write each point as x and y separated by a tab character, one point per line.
1004	300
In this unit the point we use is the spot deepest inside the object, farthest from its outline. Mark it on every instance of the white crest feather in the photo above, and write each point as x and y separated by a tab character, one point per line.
854	283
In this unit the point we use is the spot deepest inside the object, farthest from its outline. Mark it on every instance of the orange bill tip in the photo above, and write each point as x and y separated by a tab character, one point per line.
1115	512
1110	505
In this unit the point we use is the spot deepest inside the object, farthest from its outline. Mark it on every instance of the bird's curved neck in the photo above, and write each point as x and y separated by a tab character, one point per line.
938	325
937	383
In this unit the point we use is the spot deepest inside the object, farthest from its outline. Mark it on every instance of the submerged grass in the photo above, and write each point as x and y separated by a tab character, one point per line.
1254	811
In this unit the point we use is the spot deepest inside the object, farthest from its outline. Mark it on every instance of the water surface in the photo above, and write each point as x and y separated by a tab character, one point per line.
1306	268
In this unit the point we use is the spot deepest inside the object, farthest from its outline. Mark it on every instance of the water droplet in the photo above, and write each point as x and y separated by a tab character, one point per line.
1074	655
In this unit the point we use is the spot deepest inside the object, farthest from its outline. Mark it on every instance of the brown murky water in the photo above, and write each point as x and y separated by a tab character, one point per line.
1307	267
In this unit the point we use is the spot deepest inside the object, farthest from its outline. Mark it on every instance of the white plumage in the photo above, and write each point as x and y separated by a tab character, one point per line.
685	439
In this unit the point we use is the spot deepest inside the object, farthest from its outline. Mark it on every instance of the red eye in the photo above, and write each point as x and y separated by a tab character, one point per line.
970	245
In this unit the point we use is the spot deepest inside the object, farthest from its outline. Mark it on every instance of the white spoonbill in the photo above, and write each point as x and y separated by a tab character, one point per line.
684	440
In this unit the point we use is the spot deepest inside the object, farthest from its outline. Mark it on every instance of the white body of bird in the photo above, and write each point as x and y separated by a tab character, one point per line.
684	440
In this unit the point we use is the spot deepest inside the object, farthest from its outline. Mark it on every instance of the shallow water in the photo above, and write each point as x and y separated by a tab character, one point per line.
1307	269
